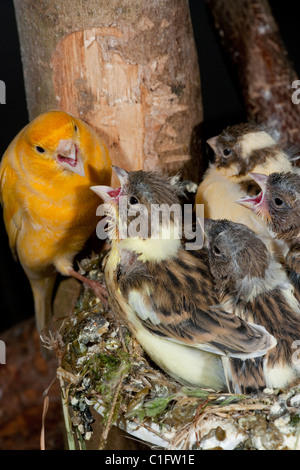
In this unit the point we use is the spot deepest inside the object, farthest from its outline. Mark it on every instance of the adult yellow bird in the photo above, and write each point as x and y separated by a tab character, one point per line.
49	211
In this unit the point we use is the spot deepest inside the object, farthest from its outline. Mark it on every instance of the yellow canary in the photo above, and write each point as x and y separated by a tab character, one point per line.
48	209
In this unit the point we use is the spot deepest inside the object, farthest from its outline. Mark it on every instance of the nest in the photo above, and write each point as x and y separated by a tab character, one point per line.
103	370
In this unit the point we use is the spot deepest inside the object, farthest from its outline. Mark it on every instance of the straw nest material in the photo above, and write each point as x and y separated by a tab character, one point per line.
103	369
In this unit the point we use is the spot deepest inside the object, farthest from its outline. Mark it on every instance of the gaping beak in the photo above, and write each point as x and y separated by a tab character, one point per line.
260	179
121	174
212	142
107	193
68	155
255	203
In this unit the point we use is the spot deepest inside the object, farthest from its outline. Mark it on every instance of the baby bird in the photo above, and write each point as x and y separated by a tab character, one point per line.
240	149
164	293
253	285
48	208
279	206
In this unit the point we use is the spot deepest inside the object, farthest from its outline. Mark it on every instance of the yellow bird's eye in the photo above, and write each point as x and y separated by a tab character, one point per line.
39	149
75	128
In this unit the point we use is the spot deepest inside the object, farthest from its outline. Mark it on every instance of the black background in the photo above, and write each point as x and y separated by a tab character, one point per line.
221	102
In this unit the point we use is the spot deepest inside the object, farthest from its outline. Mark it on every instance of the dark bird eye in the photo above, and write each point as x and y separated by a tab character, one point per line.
278	201
216	250
40	149
133	200
75	128
226	152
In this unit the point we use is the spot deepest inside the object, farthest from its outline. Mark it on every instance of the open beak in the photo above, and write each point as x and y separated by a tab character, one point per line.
260	179
107	193
212	142
256	203
68	156
121	174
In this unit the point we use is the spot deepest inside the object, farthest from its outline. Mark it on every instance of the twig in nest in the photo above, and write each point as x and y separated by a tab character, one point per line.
149	428
45	410
111	414
54	342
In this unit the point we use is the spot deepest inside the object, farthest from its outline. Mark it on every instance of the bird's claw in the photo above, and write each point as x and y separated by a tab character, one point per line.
99	290
96	286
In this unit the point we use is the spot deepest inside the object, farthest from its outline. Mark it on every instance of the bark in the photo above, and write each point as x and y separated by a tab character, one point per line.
250	37
128	68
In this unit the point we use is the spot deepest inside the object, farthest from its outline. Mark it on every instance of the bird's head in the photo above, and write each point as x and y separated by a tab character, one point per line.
54	136
278	203
145	209
236	254
240	148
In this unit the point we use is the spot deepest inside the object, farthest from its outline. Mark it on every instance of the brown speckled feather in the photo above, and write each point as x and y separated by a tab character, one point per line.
292	261
257	291
272	310
165	294
245	376
280	207
180	292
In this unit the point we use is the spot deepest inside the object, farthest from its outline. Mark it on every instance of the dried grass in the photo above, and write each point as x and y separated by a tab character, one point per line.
103	367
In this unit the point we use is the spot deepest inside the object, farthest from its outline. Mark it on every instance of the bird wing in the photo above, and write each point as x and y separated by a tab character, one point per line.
176	301
213	330
244	377
293	257
11	210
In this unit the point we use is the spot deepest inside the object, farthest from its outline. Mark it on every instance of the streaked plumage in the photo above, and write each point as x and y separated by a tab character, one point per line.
240	149
279	206
48	208
251	283
165	296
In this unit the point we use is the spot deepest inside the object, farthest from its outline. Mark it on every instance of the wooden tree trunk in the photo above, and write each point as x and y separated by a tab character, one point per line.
251	38
126	67
129	69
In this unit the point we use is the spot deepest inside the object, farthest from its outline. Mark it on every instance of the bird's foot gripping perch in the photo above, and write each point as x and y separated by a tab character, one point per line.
98	289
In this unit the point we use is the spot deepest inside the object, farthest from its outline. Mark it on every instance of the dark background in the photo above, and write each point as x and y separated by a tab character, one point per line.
221	102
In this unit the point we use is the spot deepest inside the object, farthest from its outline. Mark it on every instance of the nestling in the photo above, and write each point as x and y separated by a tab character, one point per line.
240	149
253	285
48	208
278	204
164	293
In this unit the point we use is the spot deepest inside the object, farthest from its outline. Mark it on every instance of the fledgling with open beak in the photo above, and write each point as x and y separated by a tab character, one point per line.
278	204
241	149
48	208
163	292
251	283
